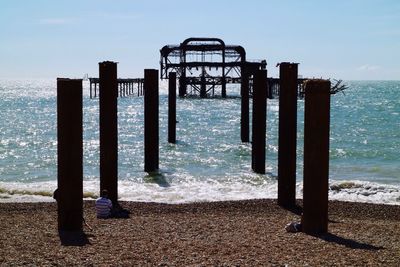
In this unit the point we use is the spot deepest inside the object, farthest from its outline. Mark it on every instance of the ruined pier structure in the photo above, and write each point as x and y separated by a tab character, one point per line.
205	66
316	137
126	87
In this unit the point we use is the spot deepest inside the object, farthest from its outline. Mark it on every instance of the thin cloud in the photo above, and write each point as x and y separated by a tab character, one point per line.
118	16
368	67
57	21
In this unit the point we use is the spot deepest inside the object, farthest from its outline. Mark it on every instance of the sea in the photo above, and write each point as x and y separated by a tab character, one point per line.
209	161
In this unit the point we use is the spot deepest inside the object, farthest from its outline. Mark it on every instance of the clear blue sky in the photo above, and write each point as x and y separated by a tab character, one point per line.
347	39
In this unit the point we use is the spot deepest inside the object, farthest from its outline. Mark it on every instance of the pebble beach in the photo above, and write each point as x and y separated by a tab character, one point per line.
229	233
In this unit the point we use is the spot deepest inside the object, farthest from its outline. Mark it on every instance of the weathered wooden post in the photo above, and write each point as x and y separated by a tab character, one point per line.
182	84
259	121
287	134
244	91
108	85
90	82
172	108
69	194
316	156
203	89
130	87
151	138
95	89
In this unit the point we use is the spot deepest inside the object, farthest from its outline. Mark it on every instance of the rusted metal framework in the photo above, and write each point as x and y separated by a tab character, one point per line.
206	65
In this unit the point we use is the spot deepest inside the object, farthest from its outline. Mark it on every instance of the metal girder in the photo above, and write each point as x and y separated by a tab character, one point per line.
205	63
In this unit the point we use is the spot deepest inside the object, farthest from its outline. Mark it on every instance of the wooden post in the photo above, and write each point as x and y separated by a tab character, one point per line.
108	85
203	90
182	85
69	194
259	121
90	82
244	120
223	86
287	135
151	138
316	156
95	89
172	108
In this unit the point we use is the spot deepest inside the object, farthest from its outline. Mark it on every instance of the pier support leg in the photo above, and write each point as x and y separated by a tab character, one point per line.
91	90
259	121
182	86
223	87
287	135
69	194
151	137
172	108
108	129
244	120
203	90
316	156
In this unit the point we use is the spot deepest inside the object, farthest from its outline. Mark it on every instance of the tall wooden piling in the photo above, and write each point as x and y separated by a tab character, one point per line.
91	96
287	134
69	194
316	156
151	137
182	85
108	85
223	85
172	108
244	117
259	121
203	89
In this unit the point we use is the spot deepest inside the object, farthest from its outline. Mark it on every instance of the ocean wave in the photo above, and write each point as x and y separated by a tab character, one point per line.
161	189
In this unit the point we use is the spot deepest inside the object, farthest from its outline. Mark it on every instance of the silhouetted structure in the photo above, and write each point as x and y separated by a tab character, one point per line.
259	121
244	108
126	87
205	64
151	137
172	108
109	129
316	156
287	134
69	194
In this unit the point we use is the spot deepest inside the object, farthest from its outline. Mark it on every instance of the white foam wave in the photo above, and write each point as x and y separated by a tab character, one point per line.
204	191
361	191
